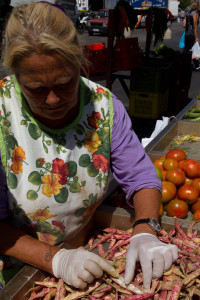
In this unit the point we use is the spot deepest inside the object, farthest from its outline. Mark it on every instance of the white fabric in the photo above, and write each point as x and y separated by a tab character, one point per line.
155	257
79	267
160	125
196	51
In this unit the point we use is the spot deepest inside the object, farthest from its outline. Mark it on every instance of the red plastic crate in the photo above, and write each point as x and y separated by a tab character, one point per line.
126	56
97	56
97	46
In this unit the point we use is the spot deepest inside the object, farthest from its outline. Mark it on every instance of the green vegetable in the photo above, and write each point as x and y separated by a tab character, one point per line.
192	114
194	119
195	110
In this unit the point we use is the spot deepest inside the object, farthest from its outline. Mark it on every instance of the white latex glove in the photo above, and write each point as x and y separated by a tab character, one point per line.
155	257
79	267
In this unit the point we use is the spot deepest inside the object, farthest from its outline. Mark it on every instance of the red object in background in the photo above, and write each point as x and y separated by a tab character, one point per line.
126	56
169	15
97	46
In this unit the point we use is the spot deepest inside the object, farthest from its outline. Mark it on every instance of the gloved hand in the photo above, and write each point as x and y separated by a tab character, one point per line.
79	267
155	257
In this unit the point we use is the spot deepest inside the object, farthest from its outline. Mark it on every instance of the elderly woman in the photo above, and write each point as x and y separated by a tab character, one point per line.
61	137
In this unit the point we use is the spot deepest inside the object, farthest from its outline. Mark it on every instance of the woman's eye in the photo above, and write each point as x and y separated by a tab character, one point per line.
37	90
61	86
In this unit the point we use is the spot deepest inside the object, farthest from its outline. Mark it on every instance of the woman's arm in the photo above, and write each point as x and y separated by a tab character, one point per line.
147	204
16	243
131	166
195	21
25	248
184	23
133	170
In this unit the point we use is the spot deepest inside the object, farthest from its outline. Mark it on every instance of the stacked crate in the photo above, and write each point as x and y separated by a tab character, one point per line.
149	89
179	82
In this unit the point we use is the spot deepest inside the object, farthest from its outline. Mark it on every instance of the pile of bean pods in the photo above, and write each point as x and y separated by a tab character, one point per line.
181	281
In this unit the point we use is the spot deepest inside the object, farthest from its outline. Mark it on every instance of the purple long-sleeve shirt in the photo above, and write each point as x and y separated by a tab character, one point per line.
130	165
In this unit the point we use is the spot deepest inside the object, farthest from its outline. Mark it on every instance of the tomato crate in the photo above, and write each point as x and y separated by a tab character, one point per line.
151	77
148	105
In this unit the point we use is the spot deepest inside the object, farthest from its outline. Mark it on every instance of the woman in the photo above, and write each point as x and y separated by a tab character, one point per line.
190	24
62	135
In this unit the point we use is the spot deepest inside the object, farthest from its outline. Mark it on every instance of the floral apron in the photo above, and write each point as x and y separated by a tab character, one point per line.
56	178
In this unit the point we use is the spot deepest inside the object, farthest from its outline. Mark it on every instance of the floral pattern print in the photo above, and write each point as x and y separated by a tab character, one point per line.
100	162
60	168
93	120
41	214
51	172
51	185
18	156
92	141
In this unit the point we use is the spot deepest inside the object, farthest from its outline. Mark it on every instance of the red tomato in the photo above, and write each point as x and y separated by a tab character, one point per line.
188	193
177	176
177	154
168	191
164	174
170	163
180	164
159	162
161	210
177	208
188	180
191	168
196	184
196	215
196	206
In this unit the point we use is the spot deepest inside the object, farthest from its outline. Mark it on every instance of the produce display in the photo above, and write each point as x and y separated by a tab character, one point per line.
164	51
193	114
183	139
181	281
180	184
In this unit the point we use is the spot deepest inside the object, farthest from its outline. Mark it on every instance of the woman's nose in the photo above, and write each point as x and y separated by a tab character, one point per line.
52	98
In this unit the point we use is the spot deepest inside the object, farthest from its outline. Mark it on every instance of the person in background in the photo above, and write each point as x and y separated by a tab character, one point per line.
62	135
191	24
182	16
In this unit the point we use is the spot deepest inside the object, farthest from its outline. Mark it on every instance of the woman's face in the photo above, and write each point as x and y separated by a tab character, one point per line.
50	88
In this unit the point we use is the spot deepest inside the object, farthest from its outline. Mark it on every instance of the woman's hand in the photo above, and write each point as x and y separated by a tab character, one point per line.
80	267
155	257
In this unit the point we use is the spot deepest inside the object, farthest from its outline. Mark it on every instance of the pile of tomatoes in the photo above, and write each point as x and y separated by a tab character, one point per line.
180	184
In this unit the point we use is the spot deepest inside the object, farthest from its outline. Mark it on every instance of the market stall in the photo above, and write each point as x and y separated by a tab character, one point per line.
159	79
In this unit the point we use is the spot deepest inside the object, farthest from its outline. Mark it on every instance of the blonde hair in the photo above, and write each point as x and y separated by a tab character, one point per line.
42	29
